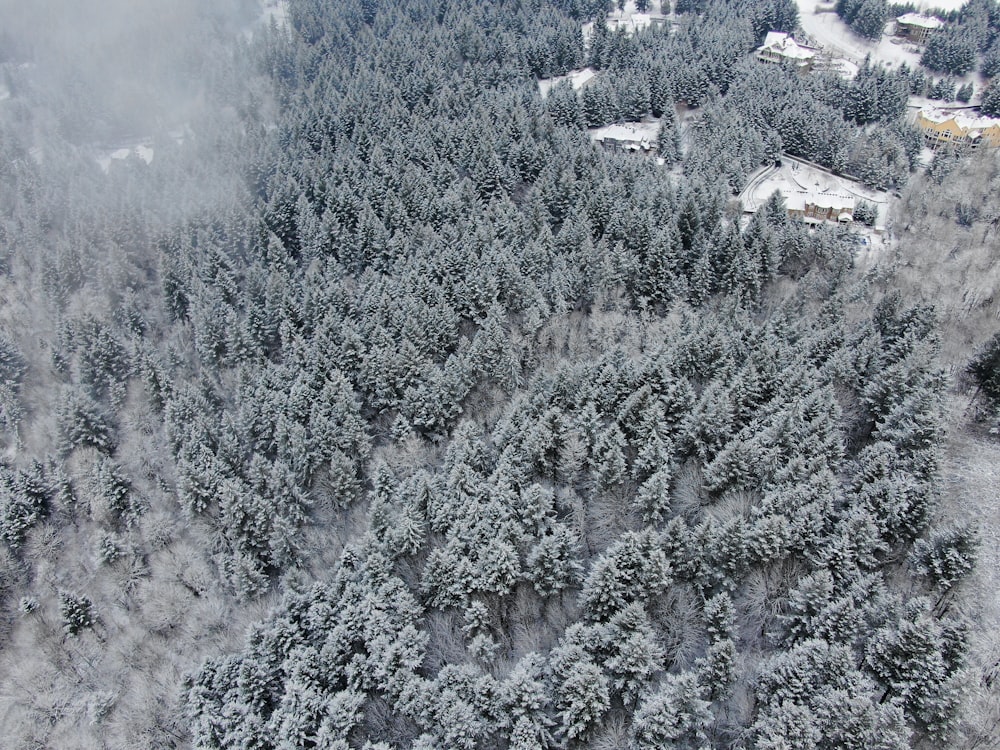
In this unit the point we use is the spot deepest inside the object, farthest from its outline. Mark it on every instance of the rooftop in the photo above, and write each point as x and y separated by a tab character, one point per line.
786	46
635	133
918	19
797	200
962	119
577	79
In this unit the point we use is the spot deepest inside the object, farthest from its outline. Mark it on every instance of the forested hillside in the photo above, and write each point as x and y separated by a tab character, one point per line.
385	409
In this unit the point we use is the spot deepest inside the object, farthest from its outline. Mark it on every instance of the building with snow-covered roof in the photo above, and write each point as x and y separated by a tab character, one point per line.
780	48
578	79
916	27
816	208
942	127
633	137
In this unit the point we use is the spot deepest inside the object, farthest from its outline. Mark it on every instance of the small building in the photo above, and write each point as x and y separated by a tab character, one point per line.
781	48
941	127
817	208
625	138
916	27
578	79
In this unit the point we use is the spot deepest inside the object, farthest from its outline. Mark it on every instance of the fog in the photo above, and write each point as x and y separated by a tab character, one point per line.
111	69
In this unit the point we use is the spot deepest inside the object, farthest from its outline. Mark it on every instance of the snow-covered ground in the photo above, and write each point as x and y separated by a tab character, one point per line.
823	26
796	178
577	78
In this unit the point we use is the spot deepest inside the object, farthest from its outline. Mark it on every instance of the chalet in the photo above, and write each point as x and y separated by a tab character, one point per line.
816	208
941	127
781	48
915	27
625	138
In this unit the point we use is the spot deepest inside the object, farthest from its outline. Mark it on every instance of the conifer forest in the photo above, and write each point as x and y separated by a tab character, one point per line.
352	396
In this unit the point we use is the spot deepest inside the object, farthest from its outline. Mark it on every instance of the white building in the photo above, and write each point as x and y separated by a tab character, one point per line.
577	79
779	48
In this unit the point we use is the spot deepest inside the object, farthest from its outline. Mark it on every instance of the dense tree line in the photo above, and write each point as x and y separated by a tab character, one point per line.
528	443
970	35
867	18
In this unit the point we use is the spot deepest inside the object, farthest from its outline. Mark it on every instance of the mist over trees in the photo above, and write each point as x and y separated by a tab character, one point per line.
381	407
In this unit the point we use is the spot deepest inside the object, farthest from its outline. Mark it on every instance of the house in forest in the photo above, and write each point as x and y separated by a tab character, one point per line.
781	48
916	27
629	21
816	208
578	79
814	195
940	127
628	137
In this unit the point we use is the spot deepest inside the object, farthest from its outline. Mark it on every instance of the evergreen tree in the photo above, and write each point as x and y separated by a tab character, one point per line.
990	104
77	613
676	715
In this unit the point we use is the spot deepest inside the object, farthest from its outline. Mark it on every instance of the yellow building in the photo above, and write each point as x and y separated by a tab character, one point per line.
940	128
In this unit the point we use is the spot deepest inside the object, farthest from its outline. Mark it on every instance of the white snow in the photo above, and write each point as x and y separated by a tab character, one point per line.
845	68
577	79
964	119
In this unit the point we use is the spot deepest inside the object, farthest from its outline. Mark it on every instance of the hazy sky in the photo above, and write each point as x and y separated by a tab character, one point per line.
118	65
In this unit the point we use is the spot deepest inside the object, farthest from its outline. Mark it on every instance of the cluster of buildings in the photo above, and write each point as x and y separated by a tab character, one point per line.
780	48
939	127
